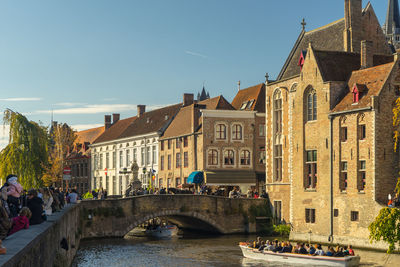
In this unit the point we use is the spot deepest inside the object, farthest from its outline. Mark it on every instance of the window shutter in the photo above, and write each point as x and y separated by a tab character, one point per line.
341	182
305	176
312	215
307	215
359	181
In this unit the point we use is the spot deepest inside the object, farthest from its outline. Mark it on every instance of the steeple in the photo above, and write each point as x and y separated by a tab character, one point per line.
392	17
203	95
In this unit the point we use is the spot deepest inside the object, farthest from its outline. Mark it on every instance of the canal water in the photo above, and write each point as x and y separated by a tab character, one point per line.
189	250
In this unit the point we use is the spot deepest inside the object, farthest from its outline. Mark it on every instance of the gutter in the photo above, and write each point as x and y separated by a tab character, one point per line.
331	116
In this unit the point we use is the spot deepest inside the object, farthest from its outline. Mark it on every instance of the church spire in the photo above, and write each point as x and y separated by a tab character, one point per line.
392	17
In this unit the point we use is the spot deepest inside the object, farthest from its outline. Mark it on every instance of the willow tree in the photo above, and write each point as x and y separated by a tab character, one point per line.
62	139
26	155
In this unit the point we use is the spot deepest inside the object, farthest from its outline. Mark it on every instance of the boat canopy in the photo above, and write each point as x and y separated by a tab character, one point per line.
195	178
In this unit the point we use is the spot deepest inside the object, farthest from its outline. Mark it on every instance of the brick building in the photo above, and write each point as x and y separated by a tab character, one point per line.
211	136
79	159
330	159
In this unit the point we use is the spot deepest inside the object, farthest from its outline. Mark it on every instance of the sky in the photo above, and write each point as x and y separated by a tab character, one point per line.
80	60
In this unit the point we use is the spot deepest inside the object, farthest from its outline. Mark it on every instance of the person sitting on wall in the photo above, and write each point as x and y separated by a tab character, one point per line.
35	204
21	222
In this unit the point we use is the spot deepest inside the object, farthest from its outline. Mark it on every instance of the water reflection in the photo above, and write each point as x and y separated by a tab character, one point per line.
187	251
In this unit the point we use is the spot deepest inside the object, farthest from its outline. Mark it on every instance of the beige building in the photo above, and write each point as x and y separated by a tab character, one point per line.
330	159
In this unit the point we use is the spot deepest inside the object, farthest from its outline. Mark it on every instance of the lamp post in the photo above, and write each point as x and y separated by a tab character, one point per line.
135	182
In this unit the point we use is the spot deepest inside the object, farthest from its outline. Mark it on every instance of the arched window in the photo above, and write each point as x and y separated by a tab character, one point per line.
311	105
212	157
278	135
221	131
245	157
229	157
236	132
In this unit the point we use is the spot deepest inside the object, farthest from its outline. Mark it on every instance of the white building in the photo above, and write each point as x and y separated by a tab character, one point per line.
126	141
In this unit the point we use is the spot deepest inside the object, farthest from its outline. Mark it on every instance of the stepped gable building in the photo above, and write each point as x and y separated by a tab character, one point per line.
79	159
391	28
127	141
330	160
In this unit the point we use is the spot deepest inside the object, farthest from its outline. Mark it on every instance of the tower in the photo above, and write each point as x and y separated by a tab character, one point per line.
392	24
353	25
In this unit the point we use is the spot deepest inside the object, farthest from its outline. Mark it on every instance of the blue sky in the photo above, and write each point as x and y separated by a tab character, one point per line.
84	59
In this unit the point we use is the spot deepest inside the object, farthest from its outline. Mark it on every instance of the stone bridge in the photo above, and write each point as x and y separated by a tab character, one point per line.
116	217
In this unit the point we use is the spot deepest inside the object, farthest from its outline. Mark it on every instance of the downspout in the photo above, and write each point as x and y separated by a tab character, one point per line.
330	239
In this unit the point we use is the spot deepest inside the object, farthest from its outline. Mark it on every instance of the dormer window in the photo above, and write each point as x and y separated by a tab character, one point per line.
302	59
357	91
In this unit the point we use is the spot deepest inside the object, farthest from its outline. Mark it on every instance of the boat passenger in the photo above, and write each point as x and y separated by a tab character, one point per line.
261	248
297	248
319	250
278	246
270	246
257	243
339	252
349	250
330	252
285	248
310	249
302	249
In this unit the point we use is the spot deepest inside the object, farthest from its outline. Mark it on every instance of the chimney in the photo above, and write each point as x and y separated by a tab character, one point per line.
188	99
195	117
367	55
353	25
115	117
107	121
140	110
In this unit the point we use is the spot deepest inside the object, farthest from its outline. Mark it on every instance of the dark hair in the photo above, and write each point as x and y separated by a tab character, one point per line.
33	192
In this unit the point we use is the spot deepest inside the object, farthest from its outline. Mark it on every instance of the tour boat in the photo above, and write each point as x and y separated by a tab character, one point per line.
163	231
299	259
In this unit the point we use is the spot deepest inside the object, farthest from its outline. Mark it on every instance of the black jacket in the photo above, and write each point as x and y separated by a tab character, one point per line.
36	206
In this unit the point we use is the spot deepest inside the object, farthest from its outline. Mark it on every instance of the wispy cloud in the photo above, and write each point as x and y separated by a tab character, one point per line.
195	54
20	99
95	109
81	127
69	104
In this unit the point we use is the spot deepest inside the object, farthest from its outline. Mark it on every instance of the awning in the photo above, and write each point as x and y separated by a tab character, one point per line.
195	178
231	178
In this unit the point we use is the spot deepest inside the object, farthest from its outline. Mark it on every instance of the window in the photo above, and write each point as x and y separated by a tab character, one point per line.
212	157
121	159
177	181
162	163
114	155
185	141
142	152
86	170
278	162
262	155
94	183
127	158
356	94
108	184
95	161
335	213
154	155
160	183
362	132
310	215
310	180
229	157
162	145
221	132
261	130
343	176
169	162
107	160
148	155
185	159
354	216
178	160
168	182
361	181
278	112
120	185
236	132
278	211
169	143
245	157
114	192
134	155
312	106
101	161
343	134
126	181
177	143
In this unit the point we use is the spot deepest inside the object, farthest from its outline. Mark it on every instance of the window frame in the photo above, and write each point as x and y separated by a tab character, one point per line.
312	105
311	170
220	131
310	215
229	157
212	157
245	157
237	132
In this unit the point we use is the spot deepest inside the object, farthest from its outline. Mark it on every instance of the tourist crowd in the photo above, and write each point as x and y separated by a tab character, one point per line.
20	208
301	248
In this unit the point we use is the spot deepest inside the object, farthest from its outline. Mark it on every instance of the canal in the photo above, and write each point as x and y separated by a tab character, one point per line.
189	250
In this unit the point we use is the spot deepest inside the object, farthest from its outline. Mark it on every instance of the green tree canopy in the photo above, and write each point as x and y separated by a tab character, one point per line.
26	154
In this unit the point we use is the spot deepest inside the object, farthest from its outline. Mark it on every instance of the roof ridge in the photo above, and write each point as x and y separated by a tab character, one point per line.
325	26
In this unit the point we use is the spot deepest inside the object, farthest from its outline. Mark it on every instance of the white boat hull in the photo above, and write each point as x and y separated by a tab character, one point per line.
163	232
297	259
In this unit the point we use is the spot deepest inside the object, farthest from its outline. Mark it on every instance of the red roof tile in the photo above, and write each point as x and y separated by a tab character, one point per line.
253	96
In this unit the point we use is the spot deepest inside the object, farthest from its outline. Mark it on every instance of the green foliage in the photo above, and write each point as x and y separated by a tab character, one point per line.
386	227
282	229
26	155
